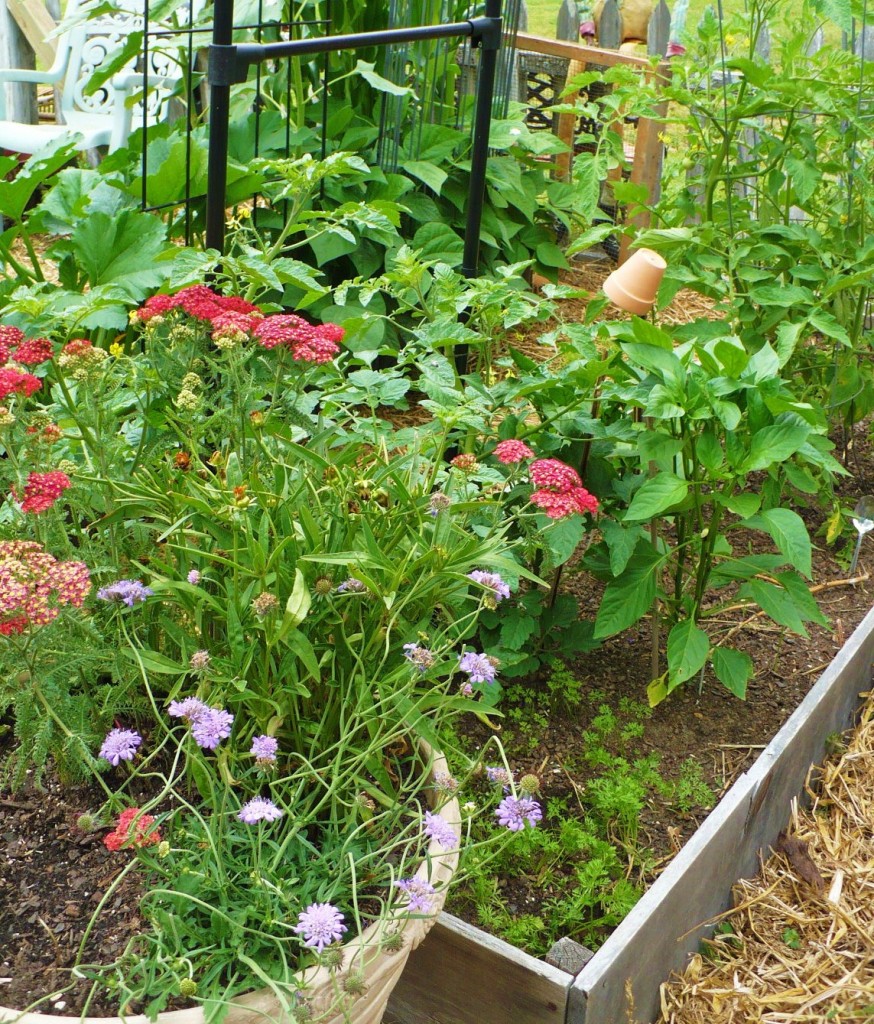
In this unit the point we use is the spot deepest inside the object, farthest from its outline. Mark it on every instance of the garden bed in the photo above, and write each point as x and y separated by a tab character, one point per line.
667	925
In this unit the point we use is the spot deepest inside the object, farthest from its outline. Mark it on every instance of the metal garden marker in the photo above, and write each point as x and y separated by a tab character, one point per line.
863	520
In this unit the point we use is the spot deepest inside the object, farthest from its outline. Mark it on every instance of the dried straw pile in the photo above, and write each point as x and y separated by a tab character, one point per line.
756	974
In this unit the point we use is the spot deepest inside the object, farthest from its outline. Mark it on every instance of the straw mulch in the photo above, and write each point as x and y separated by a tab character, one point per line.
799	950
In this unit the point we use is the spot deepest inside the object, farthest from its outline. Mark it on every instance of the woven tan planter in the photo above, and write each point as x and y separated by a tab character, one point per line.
367	967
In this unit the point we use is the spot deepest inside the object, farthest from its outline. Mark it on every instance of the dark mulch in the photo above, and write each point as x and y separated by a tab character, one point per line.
53	876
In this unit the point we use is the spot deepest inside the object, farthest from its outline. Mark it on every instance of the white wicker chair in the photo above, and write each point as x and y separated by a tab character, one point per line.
103	117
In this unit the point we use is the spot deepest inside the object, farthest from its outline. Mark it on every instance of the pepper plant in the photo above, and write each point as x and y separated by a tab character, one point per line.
702	440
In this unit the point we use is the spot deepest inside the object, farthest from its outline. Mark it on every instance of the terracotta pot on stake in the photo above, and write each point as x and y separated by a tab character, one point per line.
375	968
634	286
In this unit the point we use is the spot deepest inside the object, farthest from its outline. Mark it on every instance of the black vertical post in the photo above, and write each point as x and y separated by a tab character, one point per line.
490	43
219	118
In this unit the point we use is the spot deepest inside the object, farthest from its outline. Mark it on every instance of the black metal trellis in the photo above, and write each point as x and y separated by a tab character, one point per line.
229	64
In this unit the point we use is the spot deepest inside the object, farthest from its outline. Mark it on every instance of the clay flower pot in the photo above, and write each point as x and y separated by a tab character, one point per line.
375	969
634	286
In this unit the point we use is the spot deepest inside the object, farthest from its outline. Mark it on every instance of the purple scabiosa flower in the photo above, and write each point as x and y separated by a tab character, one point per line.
191	708
120	745
194	577
351	586
259	808
496	589
420	894
264	749
466	690
498	775
479	667
211	727
512	812
199	661
129	592
438	502
445	783
320	925
440	831
421	657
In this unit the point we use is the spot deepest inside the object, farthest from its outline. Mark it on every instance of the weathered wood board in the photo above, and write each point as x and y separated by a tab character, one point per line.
666	925
460	975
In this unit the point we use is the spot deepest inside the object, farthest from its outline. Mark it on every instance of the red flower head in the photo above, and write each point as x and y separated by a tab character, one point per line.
132	832
558	504
33	585
308	342
157	305
33	351
560	491
13	381
512	451
42	490
555	475
9	338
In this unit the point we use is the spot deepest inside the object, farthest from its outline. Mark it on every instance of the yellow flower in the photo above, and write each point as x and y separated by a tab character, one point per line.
116	349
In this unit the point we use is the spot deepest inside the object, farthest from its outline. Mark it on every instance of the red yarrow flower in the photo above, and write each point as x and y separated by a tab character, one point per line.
133	829
14	382
560	491
42	490
555	475
10	337
559	504
198	301
33	351
309	343
512	451
33	585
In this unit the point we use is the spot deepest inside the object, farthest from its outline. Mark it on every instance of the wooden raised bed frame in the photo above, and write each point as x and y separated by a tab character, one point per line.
461	975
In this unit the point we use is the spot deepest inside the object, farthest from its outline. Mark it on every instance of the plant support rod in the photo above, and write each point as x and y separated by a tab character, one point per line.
229	65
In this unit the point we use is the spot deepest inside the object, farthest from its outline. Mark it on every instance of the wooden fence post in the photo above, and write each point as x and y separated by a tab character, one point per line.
659	30
610	26
15	52
568	27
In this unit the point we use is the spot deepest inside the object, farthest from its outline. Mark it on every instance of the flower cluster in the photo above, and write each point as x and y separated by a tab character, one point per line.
480	668
420	894
309	343
495	587
133	829
320	925
120	745
421	657
209	726
81	358
512	451
560	490
28	351
15	382
33	585
440	831
42	490
129	592
259	808
514	811
264	749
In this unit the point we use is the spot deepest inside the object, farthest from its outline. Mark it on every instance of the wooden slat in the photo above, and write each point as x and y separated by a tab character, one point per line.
568	28
665	927
36	23
460	975
659	30
610	26
648	159
567	24
576	51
